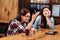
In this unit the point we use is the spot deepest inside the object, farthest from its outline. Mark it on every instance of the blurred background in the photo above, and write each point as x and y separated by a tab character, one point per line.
10	8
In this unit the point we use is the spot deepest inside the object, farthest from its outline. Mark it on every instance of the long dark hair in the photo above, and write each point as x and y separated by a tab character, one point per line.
43	19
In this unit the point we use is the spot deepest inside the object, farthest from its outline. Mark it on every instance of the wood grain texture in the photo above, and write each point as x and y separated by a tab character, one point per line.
40	35
8	10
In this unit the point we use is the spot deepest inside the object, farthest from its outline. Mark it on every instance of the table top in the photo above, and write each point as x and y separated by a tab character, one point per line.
40	35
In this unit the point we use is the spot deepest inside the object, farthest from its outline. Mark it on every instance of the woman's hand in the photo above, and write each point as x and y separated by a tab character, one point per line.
32	21
47	14
35	15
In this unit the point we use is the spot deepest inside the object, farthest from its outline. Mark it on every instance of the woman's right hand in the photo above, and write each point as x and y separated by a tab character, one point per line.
33	18
35	15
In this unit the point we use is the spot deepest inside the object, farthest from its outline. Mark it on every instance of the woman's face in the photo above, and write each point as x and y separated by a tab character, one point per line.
46	12
26	18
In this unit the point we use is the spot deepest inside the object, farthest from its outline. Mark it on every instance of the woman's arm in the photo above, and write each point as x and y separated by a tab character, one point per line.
15	27
12	28
29	26
38	19
50	22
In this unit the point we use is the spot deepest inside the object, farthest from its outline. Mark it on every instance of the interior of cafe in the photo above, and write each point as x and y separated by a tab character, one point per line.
9	9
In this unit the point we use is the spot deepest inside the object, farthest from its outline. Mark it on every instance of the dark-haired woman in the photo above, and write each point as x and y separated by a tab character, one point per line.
45	20
21	23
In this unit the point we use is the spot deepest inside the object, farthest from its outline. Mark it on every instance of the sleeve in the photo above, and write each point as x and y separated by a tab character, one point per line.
13	28
35	25
52	23
9	31
21	28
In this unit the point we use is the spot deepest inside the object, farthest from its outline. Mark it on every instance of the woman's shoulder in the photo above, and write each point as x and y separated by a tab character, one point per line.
14	21
39	15
52	18
38	18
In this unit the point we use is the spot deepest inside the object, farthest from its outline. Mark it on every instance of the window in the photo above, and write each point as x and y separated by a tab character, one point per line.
56	10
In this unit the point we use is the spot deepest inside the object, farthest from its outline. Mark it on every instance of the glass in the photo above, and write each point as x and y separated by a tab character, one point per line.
27	16
27	32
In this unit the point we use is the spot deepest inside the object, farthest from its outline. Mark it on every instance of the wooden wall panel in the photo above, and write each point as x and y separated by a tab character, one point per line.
8	10
0	11
55	1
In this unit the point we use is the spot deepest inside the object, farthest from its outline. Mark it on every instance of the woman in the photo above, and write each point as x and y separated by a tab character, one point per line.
45	20
21	23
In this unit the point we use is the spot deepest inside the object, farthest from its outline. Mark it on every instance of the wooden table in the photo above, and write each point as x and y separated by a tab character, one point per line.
38	36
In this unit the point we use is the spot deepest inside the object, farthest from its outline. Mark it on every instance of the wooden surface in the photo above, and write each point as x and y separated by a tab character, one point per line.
37	36
8	10
57	20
